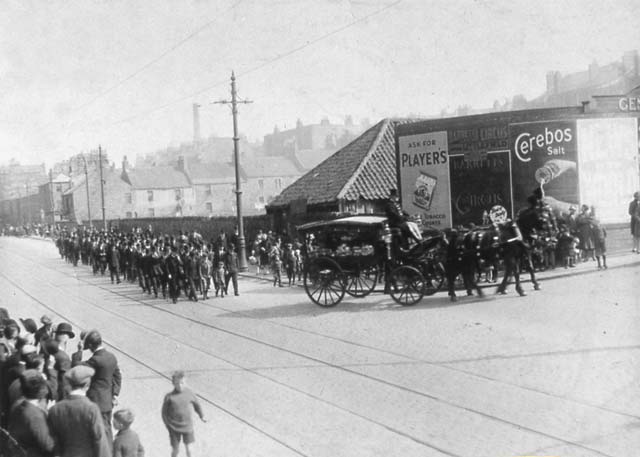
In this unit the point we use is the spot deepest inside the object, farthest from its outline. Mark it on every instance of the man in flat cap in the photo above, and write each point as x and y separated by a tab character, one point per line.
76	422
28	420
106	382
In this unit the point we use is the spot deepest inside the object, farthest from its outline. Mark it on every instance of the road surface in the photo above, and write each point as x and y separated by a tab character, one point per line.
555	373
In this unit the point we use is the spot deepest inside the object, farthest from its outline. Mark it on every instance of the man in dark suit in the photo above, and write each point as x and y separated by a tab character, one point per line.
76	423
107	380
28	420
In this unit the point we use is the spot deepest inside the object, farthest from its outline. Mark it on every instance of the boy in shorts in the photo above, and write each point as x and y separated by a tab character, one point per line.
177	416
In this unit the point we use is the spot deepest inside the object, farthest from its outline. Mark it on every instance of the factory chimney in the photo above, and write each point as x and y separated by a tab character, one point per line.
196	122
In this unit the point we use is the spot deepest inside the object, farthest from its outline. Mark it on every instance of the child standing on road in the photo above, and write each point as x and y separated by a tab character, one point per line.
177	415
218	278
126	442
276	265
600	240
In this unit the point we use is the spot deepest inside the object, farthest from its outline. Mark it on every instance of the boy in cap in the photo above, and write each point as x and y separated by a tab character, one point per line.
127	442
176	414
76	422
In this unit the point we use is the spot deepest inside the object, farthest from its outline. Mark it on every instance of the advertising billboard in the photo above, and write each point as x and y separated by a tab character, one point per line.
477	186
608	154
545	154
423	177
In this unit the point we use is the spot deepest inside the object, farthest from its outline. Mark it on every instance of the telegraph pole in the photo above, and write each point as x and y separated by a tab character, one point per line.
52	199
104	219
86	182
242	254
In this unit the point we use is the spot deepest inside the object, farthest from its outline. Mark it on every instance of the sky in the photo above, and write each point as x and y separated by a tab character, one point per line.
124	74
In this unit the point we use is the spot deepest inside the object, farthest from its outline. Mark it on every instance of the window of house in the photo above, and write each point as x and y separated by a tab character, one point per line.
261	198
150	195
209	206
58	188
261	184
151	212
278	183
178	194
127	198
128	214
209	190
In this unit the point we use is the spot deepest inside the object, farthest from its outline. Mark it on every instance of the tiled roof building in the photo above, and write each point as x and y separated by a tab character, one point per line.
357	178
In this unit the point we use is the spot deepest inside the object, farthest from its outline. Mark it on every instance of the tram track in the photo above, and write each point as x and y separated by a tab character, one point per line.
314	360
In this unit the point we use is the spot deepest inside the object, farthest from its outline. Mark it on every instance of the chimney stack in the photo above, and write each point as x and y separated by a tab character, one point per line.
196	122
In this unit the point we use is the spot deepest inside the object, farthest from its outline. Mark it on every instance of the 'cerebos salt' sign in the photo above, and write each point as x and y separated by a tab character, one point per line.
552	141
423	171
545	154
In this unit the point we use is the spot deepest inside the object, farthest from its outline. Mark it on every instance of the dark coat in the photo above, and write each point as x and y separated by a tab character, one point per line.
634	212
127	444
231	261
106	381
78	429
114	258
61	366
28	426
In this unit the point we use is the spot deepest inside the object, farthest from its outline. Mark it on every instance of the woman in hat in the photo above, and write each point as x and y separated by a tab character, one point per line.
634	212
63	333
30	328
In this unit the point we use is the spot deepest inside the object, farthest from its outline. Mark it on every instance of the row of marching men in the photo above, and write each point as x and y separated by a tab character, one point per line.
166	265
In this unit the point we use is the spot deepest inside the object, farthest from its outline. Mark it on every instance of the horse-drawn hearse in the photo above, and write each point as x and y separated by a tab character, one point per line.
351	255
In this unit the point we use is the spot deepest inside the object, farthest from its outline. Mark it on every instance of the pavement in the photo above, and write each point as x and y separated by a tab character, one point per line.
615	260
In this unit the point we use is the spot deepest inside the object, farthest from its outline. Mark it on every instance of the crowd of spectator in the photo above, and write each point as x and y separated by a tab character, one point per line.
57	399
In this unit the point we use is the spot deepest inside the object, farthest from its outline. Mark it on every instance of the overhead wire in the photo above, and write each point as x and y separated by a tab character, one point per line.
158	58
260	66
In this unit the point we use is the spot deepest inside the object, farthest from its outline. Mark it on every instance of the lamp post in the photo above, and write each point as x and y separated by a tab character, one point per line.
242	253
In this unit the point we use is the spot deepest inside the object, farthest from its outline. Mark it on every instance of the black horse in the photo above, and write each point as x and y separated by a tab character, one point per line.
462	260
517	240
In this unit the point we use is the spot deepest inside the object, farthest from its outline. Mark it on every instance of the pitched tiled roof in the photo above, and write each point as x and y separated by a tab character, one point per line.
271	166
365	167
211	173
157	178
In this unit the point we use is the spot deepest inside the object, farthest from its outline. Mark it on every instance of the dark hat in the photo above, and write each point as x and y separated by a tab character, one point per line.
93	339
80	376
65	328
50	346
29	325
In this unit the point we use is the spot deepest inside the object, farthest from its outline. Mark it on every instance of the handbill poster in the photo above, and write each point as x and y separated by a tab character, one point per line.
608	151
423	176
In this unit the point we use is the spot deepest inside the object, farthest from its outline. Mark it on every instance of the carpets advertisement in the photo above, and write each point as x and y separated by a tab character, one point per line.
479	185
